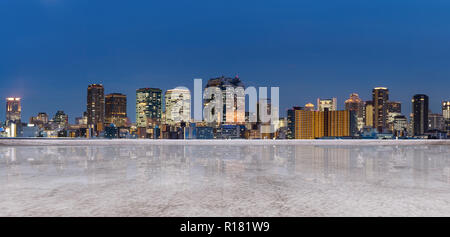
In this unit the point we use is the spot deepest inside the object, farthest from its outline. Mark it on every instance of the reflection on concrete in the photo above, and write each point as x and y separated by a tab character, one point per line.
217	167
324	163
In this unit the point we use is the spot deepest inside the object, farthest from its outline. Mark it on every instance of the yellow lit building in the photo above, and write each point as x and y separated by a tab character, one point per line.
368	116
309	107
317	124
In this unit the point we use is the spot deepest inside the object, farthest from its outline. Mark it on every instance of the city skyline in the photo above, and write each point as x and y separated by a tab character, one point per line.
379	117
340	105
320	49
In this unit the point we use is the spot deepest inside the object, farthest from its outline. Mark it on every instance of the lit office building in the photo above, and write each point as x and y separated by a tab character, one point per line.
380	107
81	120
368	113
436	122
61	119
230	110
446	110
394	107
95	107
116	109
148	107
318	124
446	115
390	119
400	125
40	120
330	104
177	105
355	104
420	114
13	110
290	133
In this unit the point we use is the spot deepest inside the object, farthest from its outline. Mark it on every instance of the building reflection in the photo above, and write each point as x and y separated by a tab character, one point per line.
155	164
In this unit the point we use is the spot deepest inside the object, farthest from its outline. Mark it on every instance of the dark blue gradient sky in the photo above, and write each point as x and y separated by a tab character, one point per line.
50	50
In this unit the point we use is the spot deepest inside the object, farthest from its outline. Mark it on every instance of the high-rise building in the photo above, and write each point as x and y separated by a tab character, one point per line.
61	119
420	114
148	107
40	120
81	120
318	124
380	107
178	105
355	104
446	110
394	107
116	109
330	104
390	120
290	133
446	115
13	110
96	107
436	122
400	125
368	113
230	110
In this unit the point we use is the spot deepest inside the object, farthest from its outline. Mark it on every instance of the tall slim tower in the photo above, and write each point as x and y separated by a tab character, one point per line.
291	121
95	107
13	110
368	114
116	109
148	107
420	114
380	99
355	104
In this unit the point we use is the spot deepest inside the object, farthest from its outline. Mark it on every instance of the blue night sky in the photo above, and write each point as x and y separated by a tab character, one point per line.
50	50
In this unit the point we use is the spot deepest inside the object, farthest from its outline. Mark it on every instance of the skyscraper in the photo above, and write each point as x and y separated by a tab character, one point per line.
368	113
446	114
13	110
148	107
61	119
290	134
81	120
95	107
394	107
400	125
178	105
436	122
40	120
116	109
330	104
420	114
229	110
380	107
355	104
